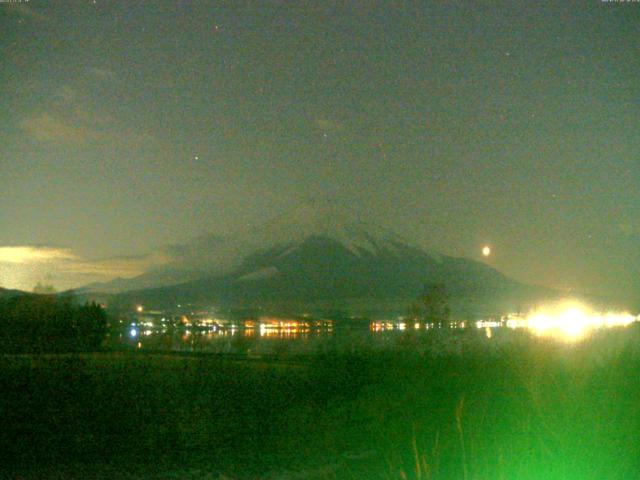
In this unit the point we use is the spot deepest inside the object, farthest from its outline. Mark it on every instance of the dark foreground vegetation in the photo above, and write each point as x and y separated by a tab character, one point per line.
47	323
525	409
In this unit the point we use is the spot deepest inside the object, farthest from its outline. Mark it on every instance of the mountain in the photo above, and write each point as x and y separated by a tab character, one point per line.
320	259
156	276
6	293
215	255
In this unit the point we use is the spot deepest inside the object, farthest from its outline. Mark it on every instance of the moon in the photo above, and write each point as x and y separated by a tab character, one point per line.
486	251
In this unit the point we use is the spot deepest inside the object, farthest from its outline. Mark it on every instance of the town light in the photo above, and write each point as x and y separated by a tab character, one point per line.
572	320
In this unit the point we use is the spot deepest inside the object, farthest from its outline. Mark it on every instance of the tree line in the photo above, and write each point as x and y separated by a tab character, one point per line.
432	306
49	323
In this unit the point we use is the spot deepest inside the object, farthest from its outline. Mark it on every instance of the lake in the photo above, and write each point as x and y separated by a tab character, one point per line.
304	337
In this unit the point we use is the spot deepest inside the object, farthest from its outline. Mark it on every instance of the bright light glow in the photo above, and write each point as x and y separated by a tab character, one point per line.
28	254
488	324
486	251
139	309
133	332
571	320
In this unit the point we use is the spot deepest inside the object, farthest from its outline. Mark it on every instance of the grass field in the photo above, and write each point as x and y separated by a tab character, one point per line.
523	409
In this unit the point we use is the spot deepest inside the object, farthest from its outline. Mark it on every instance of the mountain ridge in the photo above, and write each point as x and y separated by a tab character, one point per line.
312	257
7	293
214	254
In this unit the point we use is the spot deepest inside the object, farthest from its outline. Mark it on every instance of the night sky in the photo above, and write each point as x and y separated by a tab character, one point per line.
127	126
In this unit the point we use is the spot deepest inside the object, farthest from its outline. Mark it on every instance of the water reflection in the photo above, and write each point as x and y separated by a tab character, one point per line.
218	337
565	321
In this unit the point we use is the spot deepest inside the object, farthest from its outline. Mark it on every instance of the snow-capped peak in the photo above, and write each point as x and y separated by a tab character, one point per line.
326	221
218	255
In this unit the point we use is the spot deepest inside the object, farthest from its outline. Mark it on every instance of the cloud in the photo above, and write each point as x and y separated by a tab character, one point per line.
68	122
52	128
108	268
22	267
71	117
79	127
31	254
